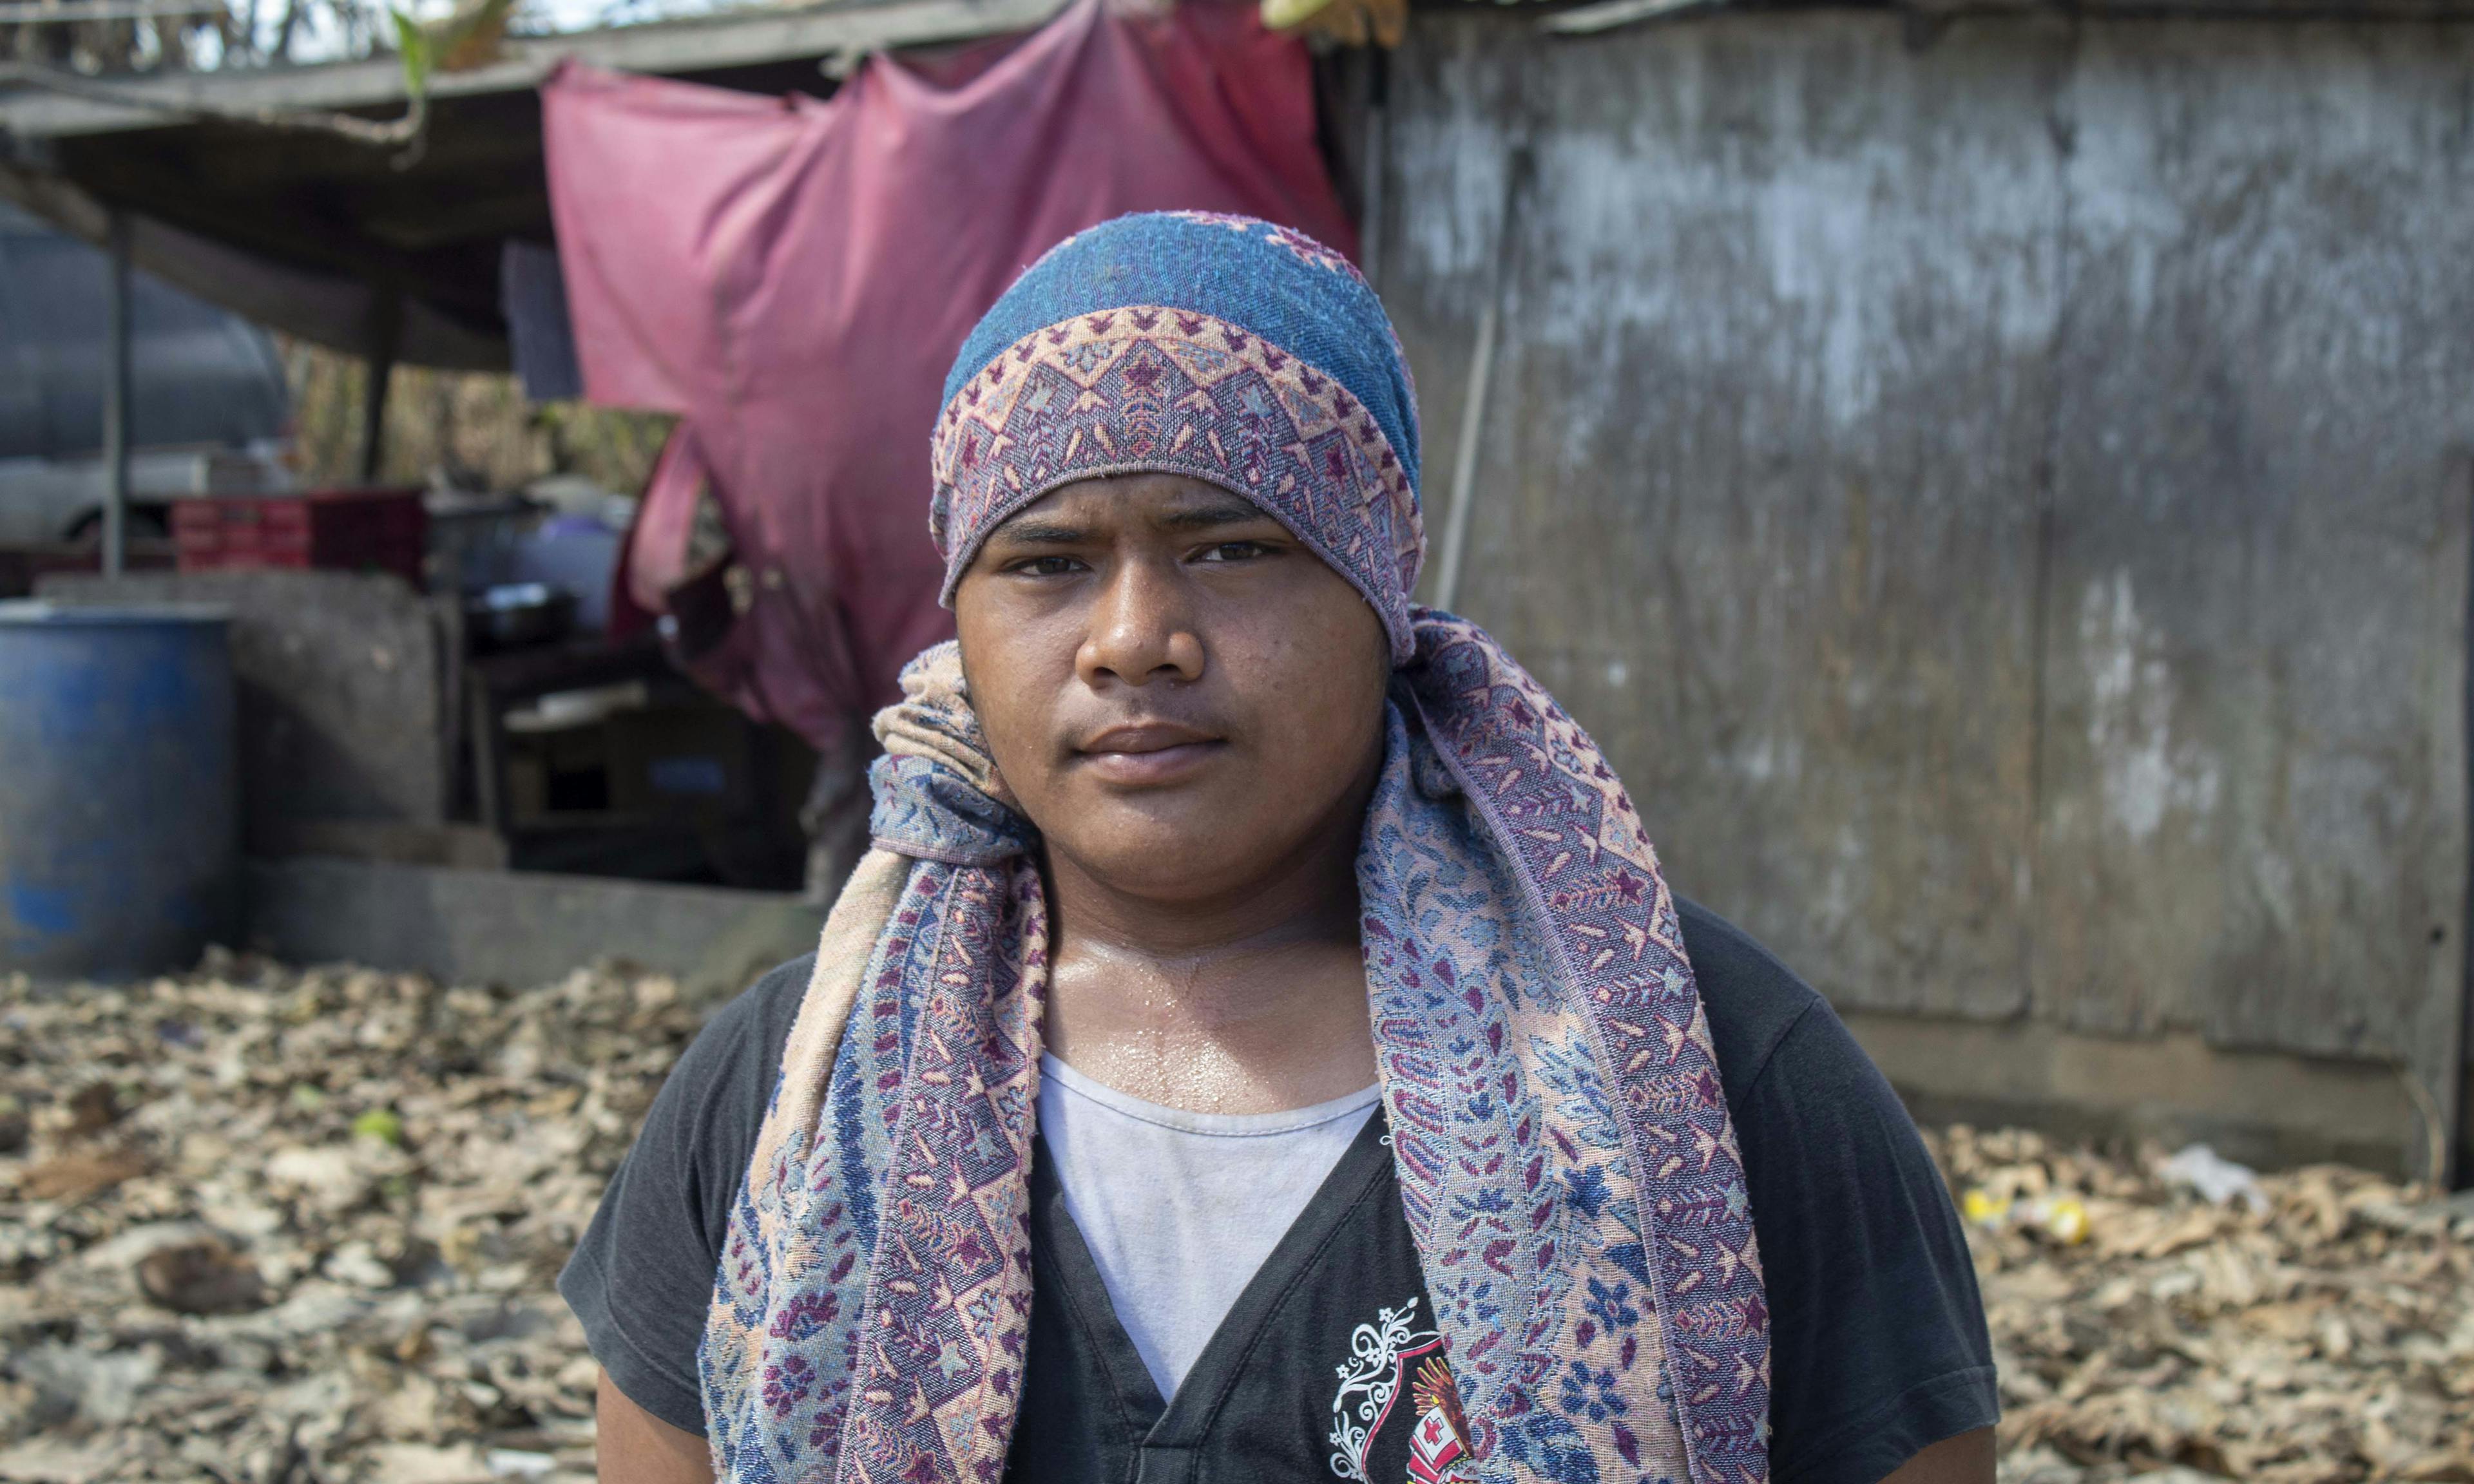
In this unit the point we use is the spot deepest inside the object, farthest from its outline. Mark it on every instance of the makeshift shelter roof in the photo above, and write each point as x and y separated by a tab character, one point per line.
370	249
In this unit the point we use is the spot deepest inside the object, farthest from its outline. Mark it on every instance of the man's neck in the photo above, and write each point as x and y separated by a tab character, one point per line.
1250	1001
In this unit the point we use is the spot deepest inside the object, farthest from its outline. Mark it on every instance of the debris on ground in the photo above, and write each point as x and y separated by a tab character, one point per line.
267	1227
261	1225
2183	1318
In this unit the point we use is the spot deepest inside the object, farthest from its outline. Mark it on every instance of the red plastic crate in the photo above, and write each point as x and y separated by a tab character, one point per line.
347	529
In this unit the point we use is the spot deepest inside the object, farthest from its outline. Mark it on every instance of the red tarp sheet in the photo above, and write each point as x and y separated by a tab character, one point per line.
795	276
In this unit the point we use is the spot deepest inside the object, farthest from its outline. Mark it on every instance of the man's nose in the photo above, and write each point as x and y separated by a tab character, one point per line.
1142	630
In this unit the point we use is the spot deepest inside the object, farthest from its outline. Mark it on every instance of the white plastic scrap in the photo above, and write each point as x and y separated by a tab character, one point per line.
514	1463
2216	1178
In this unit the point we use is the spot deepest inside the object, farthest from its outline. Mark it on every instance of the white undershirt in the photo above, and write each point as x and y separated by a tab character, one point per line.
1180	1209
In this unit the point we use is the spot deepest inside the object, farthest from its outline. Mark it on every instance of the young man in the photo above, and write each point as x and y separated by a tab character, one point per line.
1261	1046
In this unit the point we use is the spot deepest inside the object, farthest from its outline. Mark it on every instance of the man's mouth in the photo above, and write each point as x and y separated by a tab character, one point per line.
1149	754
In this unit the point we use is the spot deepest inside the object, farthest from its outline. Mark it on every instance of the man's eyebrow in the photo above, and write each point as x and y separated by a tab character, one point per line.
1037	530
1219	513
1032	531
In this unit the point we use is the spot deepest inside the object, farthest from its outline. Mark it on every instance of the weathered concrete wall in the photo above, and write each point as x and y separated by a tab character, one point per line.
2002	502
2267	1109
520	927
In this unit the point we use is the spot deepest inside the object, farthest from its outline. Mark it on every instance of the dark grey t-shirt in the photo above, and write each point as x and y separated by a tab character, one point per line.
1878	1344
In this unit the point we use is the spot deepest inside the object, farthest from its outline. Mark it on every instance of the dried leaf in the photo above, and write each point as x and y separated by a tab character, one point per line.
93	1108
201	1278
77	1177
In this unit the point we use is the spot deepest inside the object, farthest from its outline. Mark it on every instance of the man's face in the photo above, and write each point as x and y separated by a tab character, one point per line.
1182	695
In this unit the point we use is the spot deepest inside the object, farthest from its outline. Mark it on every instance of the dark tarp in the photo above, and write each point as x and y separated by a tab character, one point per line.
199	375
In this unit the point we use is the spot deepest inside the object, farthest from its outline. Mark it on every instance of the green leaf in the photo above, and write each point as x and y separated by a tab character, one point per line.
381	1124
412	43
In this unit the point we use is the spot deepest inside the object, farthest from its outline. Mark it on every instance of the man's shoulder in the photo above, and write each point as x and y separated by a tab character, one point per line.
1877	1346
751	1030
1751	999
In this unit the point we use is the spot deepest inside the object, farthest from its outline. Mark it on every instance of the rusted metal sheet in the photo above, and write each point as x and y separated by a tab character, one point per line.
2255	818
1752	494
1991	492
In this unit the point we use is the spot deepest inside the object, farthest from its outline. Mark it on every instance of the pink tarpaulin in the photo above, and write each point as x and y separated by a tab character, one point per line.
795	276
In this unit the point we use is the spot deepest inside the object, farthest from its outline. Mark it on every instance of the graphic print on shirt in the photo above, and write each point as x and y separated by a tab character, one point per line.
1388	1358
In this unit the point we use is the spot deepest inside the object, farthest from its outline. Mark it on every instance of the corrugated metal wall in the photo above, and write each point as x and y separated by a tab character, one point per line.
2001	499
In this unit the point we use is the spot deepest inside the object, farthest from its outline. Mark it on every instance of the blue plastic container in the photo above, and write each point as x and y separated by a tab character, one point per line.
119	789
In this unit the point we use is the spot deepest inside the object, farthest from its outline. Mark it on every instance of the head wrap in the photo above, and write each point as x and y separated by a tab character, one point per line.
1564	1151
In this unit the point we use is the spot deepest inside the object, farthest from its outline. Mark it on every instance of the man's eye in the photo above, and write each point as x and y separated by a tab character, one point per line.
1234	551
1044	566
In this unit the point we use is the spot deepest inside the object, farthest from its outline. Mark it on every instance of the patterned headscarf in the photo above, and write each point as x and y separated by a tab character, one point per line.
1562	1145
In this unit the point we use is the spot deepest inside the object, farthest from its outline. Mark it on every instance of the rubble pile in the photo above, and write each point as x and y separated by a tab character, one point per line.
261	1225
2182	1315
265	1226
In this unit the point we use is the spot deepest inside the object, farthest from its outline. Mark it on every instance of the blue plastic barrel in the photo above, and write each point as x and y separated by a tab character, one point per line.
119	790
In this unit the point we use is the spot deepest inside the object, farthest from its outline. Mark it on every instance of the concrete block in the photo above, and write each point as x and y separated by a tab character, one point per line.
518	927
345	690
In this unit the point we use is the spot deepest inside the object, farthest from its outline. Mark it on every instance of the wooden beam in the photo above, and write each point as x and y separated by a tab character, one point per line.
72	13
173	99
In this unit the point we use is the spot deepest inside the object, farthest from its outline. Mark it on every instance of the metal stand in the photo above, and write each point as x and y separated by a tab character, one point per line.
386	327
115	403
